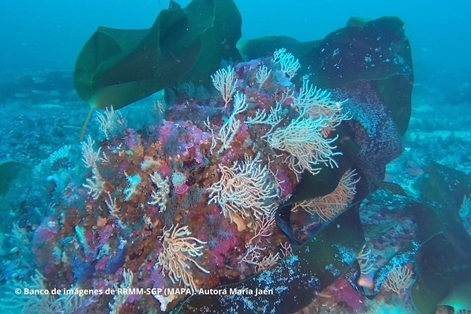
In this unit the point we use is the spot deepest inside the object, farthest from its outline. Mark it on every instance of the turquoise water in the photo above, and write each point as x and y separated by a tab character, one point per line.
38	36
100	214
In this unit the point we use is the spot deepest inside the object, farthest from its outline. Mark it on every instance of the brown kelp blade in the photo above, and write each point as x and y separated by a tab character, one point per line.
444	260
9	171
363	50
118	67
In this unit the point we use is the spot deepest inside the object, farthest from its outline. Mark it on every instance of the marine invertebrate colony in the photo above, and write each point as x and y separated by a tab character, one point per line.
154	207
244	189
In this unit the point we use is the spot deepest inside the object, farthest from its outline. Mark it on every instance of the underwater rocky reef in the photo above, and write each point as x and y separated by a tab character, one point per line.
260	183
